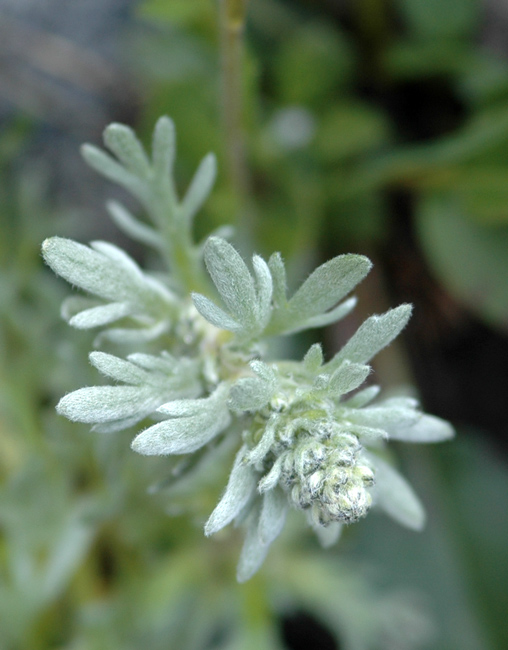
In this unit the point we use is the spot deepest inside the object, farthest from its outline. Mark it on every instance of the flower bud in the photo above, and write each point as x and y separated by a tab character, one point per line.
323	470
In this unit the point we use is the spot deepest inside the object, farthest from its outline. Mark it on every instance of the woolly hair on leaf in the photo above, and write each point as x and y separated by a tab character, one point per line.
306	435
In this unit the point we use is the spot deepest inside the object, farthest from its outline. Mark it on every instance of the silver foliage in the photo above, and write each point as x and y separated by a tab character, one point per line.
307	435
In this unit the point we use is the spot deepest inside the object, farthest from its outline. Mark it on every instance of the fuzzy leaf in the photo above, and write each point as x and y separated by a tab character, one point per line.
264	289
329	535
388	418
72	305
100	315
347	377
163	147
118	369
273	515
112	170
332	316
106	403
250	394
278	271
90	270
313	303
213	314
240	489
232	279
264	370
116	425
122	141
270	480
253	551
118	257
132	227
164	363
372	336
427	428
362	397
247	298
258	454
328	284
132	335
200	187
313	360
185	408
396	497
184	434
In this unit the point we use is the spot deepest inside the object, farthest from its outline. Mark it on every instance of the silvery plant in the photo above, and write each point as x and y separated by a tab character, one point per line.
307	435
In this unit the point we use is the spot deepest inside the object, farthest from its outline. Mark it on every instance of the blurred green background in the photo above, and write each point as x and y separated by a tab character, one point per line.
370	126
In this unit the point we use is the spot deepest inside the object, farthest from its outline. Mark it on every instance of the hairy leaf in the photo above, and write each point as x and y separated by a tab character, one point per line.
240	489
372	336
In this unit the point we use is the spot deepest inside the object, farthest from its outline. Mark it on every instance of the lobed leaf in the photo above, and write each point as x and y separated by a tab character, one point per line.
192	426
315	303
328	284
372	336
232	279
88	269
105	271
97	404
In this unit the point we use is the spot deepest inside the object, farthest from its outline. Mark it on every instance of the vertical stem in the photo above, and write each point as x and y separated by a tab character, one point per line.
373	25
232	23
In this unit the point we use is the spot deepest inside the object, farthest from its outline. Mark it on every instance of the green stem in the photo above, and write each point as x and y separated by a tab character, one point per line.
232	23
182	256
374	30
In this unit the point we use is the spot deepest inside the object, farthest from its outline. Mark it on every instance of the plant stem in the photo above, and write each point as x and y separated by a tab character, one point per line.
182	256
232	23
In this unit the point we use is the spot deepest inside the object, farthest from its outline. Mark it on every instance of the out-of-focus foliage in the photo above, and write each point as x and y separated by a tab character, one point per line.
343	112
332	131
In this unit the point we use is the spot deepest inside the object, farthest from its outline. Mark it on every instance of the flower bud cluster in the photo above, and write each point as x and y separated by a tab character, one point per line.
321	466
328	476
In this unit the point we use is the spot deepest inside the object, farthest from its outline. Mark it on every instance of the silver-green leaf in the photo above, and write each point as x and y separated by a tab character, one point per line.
372	336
